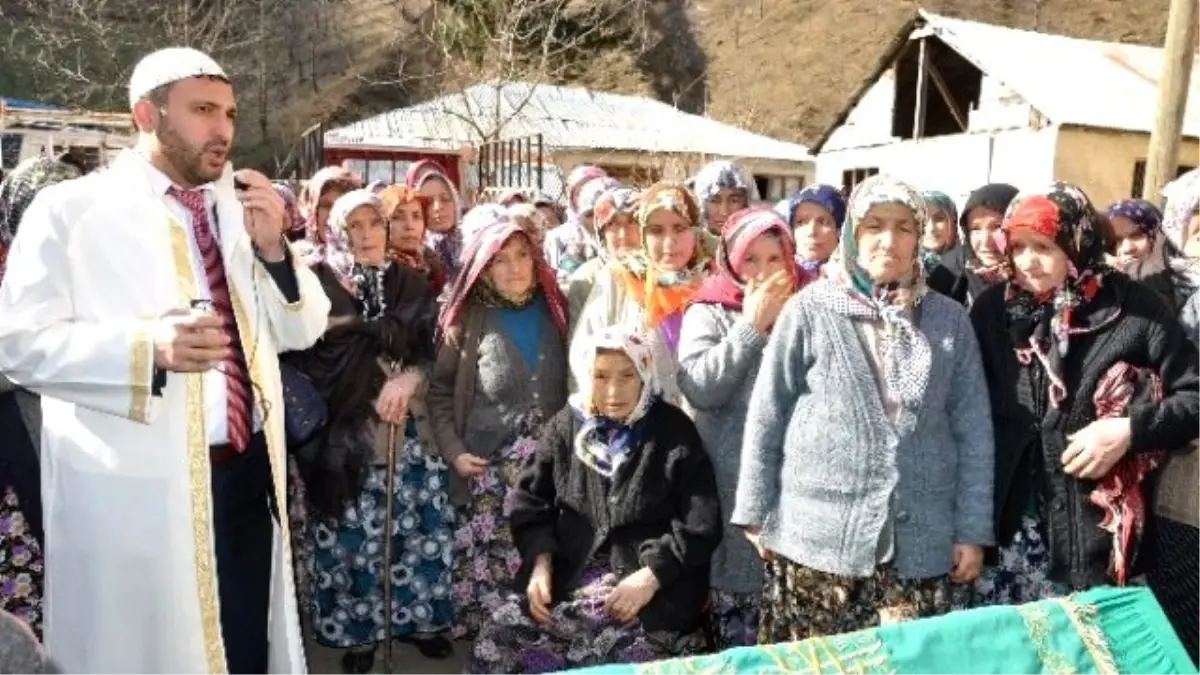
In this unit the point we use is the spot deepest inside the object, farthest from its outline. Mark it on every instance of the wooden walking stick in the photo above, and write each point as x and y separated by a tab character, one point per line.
388	523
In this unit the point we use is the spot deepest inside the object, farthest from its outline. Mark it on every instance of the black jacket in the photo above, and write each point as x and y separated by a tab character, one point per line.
1029	449
661	511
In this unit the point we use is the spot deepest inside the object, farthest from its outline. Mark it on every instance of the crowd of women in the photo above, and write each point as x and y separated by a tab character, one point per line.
682	420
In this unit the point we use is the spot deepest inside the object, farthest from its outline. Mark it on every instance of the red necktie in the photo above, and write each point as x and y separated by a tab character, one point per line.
237	380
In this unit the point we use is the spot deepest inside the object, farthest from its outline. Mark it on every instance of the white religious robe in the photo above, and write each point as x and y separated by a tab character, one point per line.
131	580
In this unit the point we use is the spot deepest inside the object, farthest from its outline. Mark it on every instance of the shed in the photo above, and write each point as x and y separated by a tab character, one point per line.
634	138
954	104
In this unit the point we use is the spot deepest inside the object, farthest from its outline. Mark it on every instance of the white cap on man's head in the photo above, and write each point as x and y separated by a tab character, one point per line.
170	65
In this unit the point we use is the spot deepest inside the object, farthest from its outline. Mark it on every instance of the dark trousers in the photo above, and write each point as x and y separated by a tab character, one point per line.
243	508
1175	580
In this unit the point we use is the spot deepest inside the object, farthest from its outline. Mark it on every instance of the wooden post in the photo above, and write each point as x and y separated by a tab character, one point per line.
922	91
1162	158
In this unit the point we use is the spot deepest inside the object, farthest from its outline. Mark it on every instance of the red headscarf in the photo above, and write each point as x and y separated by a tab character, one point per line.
726	287
479	253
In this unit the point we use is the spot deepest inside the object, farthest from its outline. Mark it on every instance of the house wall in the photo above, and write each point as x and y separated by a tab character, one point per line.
1102	161
954	164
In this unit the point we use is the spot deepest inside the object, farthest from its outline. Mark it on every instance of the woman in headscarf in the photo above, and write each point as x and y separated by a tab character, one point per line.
444	210
500	373
723	188
617	231
815	215
866	465
1173	570
615	516
407	211
648	288
725	329
1091	381
1133	227
567	244
941	230
965	272
585	244
21	539
530	219
293	227
317	198
369	366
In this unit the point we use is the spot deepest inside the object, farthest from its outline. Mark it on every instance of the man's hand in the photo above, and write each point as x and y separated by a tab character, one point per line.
632	594
189	342
264	214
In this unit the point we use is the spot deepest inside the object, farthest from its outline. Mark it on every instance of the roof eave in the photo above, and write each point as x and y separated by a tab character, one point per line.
889	57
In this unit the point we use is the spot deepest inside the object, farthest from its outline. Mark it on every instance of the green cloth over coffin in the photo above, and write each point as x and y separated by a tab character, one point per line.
1103	630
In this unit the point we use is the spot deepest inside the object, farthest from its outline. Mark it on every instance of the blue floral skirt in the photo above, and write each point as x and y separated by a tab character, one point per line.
348	556
1023	572
487	560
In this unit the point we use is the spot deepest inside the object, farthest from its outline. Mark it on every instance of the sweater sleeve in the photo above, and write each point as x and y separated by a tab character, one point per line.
1172	423
439	399
696	526
533	512
776	390
712	363
970	416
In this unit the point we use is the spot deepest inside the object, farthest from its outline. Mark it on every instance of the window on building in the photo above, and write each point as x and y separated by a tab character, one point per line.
1139	176
763	185
951	89
852	177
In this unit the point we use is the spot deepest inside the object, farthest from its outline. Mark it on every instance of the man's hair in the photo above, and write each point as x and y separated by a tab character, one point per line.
158	95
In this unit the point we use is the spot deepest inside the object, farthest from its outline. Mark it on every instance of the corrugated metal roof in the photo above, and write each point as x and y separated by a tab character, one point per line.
566	117
1072	81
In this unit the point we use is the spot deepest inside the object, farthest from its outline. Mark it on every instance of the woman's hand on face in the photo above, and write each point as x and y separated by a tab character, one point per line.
468	465
968	563
752	535
632	594
765	299
1095	449
538	590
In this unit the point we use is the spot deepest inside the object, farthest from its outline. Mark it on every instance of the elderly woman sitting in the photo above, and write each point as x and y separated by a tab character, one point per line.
616	516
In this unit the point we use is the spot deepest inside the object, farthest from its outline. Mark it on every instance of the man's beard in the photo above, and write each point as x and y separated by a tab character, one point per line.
188	161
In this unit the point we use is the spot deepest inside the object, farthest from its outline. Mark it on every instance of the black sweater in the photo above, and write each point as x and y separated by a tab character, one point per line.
1029	449
660	511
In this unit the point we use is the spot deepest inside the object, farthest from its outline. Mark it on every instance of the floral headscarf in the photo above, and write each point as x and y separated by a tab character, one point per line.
848	290
575	180
1142	213
481	217
1041	326
449	244
310	197
426	260
723	174
296	223
726	287
603	444
620	200
1183	200
580	245
470	284
20	186
364	282
663	293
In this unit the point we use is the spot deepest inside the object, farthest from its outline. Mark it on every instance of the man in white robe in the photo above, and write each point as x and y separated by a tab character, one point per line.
163	553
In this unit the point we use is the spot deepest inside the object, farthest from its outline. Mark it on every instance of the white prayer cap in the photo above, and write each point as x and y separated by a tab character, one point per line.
170	65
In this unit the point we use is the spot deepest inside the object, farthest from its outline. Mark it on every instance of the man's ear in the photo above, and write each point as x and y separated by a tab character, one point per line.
145	115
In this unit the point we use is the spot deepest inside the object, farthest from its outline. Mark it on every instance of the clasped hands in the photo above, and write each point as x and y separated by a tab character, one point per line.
624	602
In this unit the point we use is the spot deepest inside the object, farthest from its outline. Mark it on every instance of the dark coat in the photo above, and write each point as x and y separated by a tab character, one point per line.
661	511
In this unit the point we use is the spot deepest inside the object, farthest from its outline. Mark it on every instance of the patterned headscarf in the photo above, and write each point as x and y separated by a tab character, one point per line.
295	229
1041	326
723	174
1142	213
603	443
579	244
310	197
1182	202
996	197
449	244
480	218
18	189
424	260
477	256
620	200
575	180
848	290
364	282
727	287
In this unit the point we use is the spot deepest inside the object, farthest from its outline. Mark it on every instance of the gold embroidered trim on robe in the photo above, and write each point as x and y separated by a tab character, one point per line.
141	374
199	473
